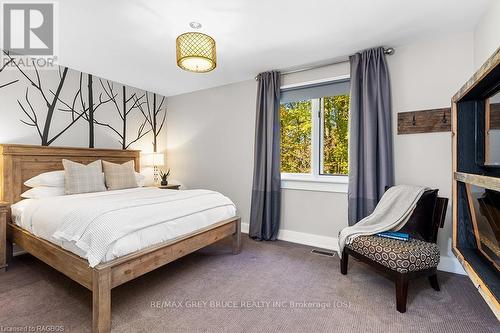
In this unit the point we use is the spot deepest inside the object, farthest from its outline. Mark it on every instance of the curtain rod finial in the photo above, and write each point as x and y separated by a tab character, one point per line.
389	51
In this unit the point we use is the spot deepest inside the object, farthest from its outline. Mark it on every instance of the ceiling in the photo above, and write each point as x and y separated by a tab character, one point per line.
133	42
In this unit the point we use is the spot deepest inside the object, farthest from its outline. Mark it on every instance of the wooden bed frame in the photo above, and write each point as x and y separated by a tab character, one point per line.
18	163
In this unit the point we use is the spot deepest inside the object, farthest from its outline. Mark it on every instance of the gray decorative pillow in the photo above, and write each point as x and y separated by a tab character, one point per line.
119	176
81	178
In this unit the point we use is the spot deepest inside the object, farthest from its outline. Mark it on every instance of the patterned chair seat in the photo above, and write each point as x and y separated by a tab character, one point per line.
401	256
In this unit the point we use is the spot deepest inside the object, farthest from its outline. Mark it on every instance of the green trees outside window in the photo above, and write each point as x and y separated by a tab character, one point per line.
296	134
297	123
335	135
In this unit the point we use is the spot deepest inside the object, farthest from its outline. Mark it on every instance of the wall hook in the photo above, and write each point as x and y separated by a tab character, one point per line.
414	121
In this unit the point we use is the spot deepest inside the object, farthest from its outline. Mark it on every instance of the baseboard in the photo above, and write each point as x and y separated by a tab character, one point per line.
451	264
322	242
447	264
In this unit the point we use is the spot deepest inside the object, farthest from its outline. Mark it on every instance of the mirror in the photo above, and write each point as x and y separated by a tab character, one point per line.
492	131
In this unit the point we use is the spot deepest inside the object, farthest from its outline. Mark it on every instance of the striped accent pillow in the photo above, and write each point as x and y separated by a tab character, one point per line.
119	176
81	178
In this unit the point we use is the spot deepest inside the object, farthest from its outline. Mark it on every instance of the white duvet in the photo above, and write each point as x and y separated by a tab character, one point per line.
103	226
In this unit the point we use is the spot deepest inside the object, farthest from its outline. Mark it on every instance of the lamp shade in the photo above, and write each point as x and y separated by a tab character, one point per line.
153	159
196	52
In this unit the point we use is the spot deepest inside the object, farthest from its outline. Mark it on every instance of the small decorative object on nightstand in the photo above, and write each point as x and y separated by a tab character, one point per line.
164	177
3	236
169	187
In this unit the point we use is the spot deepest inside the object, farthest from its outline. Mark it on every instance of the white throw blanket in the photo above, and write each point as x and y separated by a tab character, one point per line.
95	227
392	213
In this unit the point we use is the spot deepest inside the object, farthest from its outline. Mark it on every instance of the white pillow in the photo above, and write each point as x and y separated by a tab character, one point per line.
50	179
43	192
56	179
141	179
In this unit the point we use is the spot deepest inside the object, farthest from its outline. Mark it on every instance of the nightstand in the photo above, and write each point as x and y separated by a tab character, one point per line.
3	236
169	187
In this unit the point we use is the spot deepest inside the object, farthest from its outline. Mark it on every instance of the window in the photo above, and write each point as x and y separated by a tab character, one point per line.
314	131
296	130
333	135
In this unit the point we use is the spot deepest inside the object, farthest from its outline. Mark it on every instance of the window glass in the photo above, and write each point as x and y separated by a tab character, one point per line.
334	135
296	129
314	129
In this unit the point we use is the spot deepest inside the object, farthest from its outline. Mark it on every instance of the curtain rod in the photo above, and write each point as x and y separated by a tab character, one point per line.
388	51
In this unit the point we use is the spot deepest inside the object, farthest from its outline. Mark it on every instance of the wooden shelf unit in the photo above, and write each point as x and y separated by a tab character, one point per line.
467	171
492	183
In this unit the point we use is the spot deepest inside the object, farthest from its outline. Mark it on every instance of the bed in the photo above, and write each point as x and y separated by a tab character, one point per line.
18	163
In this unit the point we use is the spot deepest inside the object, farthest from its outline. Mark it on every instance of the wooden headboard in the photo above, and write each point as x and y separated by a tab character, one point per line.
19	163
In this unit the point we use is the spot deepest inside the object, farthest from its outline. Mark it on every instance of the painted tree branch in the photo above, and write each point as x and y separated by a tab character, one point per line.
1	70
51	103
37	85
31	115
152	115
123	111
85	111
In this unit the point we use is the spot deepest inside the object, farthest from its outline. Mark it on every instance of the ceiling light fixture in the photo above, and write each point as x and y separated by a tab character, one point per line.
195	25
196	51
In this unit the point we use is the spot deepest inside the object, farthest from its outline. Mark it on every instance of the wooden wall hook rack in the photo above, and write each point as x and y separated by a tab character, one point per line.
436	120
424	121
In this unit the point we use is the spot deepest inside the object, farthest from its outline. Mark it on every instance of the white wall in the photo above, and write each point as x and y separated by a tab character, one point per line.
210	136
425	75
487	34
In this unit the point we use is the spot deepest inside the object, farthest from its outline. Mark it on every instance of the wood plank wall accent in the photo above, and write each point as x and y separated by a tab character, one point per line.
436	120
424	121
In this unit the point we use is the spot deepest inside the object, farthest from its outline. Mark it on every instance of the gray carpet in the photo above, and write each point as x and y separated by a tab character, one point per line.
269	287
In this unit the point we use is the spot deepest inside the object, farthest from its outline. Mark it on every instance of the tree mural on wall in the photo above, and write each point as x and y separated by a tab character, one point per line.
40	98
50	99
154	117
86	110
124	110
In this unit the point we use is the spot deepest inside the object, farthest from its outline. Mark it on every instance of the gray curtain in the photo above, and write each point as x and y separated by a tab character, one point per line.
371	166
266	190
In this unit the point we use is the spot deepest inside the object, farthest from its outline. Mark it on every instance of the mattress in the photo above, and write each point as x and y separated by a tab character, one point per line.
138	218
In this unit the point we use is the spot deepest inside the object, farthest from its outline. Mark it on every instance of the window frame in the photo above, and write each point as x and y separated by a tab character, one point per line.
315	181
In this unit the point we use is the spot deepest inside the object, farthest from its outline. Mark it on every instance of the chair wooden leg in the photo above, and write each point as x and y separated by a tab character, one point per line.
344	262
433	280
237	238
101	301
401	292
